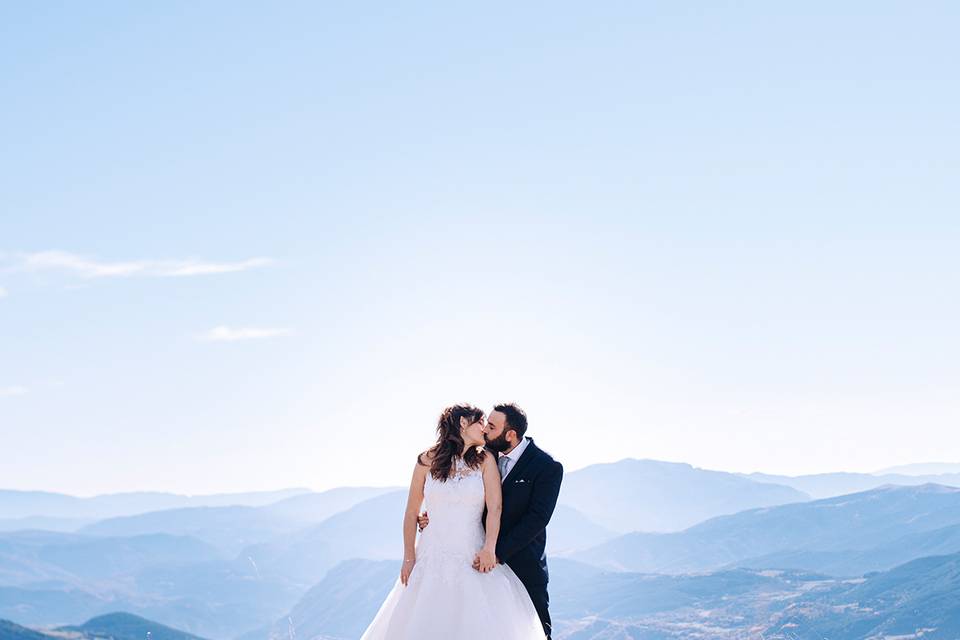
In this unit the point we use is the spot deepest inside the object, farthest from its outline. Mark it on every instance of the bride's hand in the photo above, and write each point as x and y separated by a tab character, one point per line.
486	560
406	570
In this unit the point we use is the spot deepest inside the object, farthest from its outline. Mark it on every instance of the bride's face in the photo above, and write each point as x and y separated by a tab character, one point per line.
473	432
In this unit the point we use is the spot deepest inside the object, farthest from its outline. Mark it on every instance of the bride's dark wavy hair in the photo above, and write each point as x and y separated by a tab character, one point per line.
450	442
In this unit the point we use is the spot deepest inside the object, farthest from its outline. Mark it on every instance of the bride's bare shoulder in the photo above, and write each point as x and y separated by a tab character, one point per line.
488	460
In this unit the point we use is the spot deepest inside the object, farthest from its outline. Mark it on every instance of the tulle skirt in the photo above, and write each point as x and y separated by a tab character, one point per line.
457	603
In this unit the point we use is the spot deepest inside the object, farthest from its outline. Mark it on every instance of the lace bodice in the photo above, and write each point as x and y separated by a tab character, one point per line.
459	493
455	532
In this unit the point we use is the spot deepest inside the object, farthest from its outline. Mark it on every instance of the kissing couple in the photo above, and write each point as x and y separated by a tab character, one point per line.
479	568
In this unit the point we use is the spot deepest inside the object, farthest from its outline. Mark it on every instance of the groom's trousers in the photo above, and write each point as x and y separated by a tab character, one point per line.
541	602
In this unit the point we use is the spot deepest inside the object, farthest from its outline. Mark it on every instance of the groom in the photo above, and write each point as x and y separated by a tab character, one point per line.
531	483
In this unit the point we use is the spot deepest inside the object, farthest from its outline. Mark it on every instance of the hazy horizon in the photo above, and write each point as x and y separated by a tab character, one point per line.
402	482
259	247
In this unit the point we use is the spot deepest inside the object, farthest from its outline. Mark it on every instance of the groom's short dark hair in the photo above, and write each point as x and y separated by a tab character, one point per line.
516	418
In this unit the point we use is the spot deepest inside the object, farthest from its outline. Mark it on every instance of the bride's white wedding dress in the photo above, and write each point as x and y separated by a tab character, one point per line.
445	597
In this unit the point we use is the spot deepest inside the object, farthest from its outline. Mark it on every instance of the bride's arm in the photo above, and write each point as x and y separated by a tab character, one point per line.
414	500
493	493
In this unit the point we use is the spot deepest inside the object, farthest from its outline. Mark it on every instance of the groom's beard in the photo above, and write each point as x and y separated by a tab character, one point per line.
499	444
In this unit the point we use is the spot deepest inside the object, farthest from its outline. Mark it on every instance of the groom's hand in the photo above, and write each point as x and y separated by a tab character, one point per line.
476	561
423	521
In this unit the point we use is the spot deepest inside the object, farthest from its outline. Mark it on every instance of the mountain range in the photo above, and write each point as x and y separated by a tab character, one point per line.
113	626
22	504
649	495
828	485
913	600
847	535
919	599
638	548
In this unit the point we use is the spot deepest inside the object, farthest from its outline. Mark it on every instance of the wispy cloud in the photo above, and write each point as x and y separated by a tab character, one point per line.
9	392
3	292
230	334
87	267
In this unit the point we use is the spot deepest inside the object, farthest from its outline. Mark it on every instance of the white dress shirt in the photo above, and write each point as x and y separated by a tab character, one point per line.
512	458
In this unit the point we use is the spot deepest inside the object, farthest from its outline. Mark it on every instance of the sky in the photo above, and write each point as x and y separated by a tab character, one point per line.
251	245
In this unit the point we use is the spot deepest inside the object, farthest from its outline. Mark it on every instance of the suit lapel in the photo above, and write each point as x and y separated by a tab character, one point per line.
528	454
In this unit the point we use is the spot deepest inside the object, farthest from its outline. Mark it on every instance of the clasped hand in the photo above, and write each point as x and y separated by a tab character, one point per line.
485	560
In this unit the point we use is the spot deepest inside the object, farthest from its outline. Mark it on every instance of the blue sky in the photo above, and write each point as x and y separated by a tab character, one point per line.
713	233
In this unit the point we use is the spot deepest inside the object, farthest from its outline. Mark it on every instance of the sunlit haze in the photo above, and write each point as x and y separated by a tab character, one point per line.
247	247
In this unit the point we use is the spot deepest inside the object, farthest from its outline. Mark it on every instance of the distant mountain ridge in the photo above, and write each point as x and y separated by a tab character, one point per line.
46	523
919	599
23	504
47	578
110	626
665	496
32	556
126	626
922	469
588	603
235	570
590	499
12	631
260	557
228	528
650	495
339	606
860	522
829	485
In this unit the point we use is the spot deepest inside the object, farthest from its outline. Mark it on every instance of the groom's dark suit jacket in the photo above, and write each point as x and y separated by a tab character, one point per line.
530	493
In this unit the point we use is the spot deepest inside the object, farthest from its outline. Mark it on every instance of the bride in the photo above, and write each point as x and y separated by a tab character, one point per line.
439	595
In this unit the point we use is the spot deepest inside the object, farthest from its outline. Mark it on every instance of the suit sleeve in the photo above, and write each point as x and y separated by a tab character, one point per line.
543	501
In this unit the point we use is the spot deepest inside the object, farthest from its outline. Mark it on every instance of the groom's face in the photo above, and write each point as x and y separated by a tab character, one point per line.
495	432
